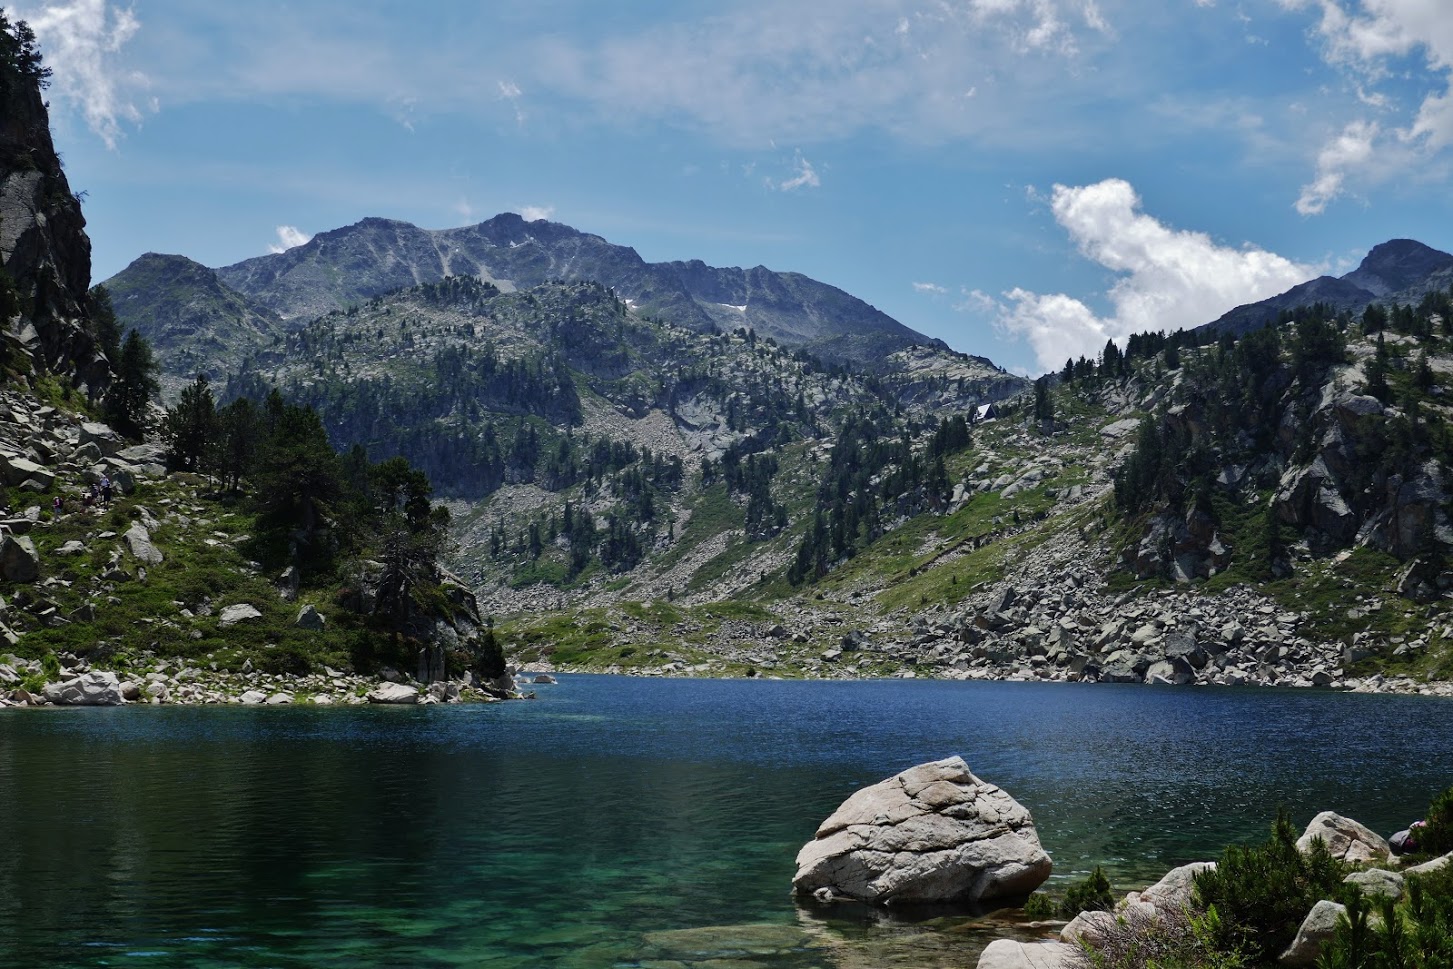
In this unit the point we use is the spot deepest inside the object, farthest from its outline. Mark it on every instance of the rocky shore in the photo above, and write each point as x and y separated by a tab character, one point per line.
162	681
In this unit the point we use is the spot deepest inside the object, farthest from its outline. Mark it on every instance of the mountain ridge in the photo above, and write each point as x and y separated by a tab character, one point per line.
1398	270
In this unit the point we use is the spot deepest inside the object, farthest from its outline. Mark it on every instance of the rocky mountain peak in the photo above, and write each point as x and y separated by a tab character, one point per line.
1396	265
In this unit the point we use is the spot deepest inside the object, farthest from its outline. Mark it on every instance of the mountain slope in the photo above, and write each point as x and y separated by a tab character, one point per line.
345	266
195	323
1400	270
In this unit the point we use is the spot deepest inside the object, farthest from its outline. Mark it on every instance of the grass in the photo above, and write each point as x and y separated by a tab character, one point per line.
138	616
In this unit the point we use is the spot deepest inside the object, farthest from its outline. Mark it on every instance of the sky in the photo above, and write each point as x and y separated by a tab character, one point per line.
1023	179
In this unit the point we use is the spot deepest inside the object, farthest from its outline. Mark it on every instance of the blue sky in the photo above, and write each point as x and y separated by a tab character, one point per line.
1021	178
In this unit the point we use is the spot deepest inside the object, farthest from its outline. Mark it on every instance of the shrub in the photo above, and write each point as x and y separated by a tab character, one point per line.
1092	894
1263	892
1167	940
1435	837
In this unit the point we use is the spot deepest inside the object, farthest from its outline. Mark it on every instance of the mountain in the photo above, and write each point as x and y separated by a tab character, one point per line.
346	266
1398	271
195	323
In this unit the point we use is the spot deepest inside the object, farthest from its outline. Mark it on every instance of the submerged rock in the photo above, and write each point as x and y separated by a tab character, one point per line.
934	833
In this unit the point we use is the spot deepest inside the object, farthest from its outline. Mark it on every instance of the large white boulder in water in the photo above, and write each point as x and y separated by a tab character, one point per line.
934	833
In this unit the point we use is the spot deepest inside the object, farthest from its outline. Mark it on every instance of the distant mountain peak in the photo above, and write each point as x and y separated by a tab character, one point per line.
1399	270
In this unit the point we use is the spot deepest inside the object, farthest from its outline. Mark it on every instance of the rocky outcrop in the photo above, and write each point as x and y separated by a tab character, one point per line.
43	243
1346	839
934	833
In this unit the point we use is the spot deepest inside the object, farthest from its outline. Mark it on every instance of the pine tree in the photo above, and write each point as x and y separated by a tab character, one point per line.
133	388
191	428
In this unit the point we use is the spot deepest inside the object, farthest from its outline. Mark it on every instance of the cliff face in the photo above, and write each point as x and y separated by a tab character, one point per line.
43	243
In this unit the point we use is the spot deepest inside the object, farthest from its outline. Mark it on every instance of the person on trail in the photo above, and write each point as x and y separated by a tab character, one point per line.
105	491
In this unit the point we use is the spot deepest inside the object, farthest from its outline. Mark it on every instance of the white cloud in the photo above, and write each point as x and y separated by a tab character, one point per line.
933	288
812	71
510	91
464	208
1365	40
80	41
536	213
1349	151
805	176
1171	278
288	237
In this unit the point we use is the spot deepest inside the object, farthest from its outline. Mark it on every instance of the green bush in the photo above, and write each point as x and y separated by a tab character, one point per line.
1435	837
1261	893
1167	940
1418	935
1092	894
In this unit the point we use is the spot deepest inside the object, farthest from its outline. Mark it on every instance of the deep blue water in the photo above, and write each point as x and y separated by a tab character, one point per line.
592	826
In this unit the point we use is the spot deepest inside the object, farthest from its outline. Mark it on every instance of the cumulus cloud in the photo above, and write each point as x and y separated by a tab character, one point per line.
804	176
80	41
536	213
1171	278
1365	39
933	288
288	237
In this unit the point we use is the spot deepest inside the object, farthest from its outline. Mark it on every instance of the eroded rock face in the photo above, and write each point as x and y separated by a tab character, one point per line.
1009	954
934	833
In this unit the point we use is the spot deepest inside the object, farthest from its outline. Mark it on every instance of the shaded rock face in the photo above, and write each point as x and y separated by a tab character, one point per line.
934	833
1315	932
43	243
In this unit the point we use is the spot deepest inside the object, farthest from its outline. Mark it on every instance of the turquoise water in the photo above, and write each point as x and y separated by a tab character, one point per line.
624	822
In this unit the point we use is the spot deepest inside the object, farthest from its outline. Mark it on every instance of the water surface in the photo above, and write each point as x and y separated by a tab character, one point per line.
626	822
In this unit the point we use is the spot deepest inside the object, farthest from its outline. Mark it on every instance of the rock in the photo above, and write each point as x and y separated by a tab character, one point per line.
158	690
310	618
241	612
1346	839
1090	927
105	440
1316	930
138	541
1428	867
1176	890
92	689
1377	881
1009	954
1402	842
933	833
278	699
253	698
18	559
130	690
1170	672
16	471
543	678
393	693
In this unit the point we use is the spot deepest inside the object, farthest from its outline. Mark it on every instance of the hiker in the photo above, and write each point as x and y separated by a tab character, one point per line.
105	491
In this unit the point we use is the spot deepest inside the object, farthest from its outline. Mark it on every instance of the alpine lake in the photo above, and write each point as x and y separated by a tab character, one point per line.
620	822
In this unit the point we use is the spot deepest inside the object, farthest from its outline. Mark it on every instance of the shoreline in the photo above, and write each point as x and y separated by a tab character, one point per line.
178	683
